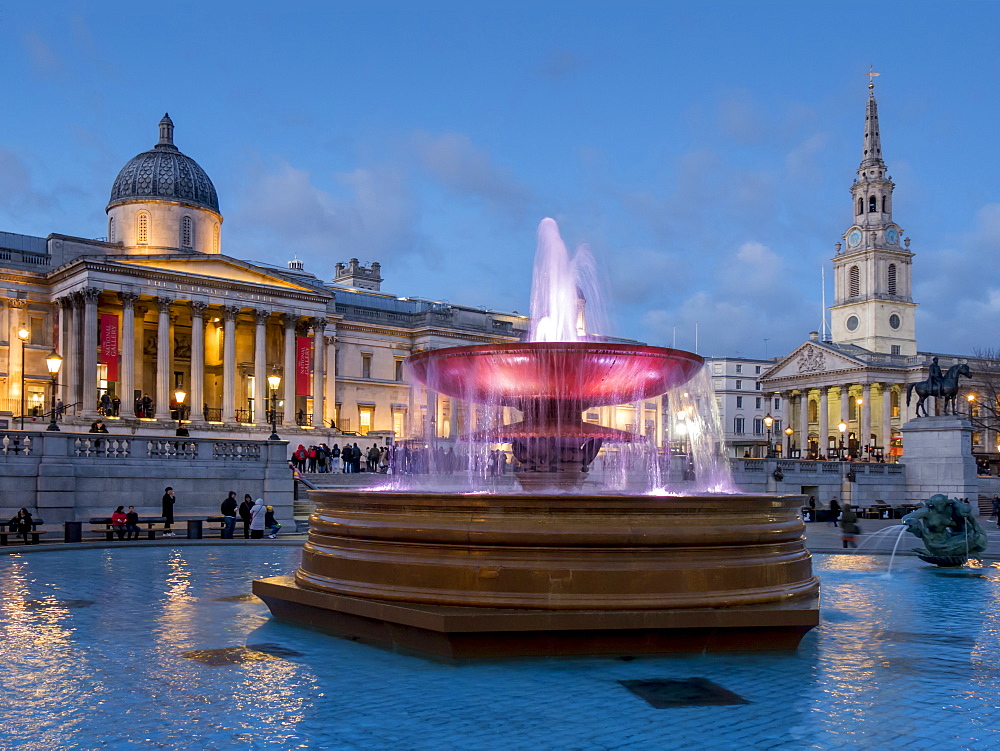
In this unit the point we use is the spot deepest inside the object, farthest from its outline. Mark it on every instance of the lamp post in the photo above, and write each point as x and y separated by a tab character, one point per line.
788	432
53	362
972	401
768	422
24	335
842	427
274	381
179	396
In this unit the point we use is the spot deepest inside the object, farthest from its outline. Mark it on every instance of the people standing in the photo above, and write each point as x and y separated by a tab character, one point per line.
119	521
834	510
131	524
849	528
228	509
105	408
246	515
258	513
116	406
167	511
335	458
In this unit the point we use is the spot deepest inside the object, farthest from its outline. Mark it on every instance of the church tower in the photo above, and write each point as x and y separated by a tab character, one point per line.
872	306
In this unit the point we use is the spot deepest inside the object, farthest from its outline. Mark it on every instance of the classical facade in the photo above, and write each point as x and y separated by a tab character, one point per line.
847	395
158	307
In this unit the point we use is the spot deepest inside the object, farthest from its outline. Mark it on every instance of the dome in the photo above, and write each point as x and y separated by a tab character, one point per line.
164	173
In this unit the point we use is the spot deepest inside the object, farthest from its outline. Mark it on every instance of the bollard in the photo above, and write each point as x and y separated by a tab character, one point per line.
194	529
72	531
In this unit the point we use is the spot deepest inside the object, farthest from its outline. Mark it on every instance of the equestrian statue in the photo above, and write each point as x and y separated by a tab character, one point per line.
938	385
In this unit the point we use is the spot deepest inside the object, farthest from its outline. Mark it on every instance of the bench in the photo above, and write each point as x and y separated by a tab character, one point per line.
103	524
34	534
218	523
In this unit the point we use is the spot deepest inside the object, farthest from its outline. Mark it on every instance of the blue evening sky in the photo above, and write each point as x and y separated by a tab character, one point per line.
703	150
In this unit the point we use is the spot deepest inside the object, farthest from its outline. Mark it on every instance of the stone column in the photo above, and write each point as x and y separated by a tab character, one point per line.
319	368
65	346
76	350
197	361
803	442
288	379
15	355
229	313
886	432
330	394
260	367
126	378
161	409
139	348
865	419
824	421
845	409
89	392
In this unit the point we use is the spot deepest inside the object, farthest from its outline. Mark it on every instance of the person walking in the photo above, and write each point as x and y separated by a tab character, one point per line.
131	524
834	510
996	509
228	509
167	511
119	520
258	513
849	528
246	515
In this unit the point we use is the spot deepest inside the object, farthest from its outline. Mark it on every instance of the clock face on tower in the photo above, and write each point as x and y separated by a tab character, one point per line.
854	238
892	236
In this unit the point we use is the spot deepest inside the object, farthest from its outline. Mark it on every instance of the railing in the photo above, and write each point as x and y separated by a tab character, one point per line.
171	449
239	452
14	444
303	418
113	448
809	467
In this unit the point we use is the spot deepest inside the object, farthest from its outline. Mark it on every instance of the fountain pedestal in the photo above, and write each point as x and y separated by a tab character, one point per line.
939	458
462	576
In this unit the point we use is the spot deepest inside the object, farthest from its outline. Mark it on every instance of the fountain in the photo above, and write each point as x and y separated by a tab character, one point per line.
949	529
559	567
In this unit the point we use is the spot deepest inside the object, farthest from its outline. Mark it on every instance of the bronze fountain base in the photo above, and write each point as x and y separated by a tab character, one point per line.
477	575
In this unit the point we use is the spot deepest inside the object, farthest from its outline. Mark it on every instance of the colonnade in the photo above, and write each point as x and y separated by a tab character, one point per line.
79	347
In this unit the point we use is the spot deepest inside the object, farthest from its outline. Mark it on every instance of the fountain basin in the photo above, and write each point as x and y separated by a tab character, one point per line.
478	575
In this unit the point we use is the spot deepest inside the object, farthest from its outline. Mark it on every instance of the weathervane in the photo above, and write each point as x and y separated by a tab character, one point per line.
871	76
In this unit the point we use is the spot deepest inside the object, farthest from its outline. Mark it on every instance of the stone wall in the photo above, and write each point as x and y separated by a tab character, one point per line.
64	476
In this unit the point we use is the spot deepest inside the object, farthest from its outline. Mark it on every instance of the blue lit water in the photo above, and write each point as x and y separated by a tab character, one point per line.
93	645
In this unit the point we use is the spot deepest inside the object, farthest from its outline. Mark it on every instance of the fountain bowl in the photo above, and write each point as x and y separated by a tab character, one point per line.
486	575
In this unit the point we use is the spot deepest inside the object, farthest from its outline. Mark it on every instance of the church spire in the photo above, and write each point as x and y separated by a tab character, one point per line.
872	155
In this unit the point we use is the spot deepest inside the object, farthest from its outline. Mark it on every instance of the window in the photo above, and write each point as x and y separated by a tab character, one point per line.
37	328
894	321
757	370
777	403
739	368
398	422
739	402
738	426
894	349
758	426
757	386
776	428
719	384
854	282
366	366
861	205
852	408
852	323
894	403
739	385
142	228
872	204
399	370
758	401
813	411
365	415
885	204
187	232
891	286
111	229
717	368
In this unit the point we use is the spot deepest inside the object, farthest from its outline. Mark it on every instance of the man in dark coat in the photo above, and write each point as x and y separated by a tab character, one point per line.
168	511
228	509
246	515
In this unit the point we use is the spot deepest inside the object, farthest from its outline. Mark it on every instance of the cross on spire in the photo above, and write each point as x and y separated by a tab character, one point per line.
871	76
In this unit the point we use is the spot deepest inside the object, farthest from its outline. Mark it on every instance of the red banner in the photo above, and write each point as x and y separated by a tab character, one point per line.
303	365
109	344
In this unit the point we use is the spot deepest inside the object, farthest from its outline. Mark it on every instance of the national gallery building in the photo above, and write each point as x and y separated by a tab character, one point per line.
158	308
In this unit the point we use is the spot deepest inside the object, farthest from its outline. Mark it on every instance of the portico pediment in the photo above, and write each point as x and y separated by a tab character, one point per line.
214	267
811	359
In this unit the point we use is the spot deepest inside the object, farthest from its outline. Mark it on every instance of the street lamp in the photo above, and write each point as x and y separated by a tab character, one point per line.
179	396
24	335
972	401
768	422
274	381
788	432
842	427
53	362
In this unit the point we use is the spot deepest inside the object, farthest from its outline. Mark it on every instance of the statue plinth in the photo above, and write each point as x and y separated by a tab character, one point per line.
938	457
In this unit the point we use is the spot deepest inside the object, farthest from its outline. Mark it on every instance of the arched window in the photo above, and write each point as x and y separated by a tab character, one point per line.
854	282
872	204
861	205
111	229
215	239
187	232
142	228
891	286
885	204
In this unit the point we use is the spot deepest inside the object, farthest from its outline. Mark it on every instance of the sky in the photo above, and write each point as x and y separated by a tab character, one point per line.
703	151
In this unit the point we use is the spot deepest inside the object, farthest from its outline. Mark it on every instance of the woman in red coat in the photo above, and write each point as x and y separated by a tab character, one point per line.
118	522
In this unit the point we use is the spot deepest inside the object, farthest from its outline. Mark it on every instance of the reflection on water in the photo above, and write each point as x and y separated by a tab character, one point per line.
911	655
